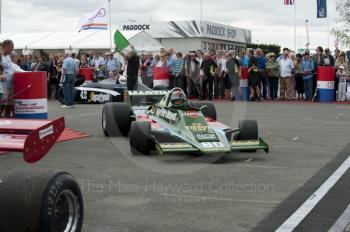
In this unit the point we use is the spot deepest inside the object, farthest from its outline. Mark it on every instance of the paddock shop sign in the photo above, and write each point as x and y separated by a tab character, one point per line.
191	29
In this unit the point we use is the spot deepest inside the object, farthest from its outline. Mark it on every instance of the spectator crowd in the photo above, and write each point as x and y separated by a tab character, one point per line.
202	75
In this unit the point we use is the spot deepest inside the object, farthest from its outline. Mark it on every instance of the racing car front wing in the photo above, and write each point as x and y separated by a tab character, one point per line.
213	147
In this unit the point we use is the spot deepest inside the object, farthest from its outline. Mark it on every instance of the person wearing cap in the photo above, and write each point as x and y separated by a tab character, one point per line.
307	67
342	76
287	67
273	72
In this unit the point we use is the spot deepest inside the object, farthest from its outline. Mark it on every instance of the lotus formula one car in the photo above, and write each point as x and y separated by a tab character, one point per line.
165	122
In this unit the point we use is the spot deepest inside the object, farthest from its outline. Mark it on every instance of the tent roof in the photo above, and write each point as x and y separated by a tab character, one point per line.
141	40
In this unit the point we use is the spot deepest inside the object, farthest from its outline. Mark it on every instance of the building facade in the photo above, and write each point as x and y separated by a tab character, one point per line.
192	35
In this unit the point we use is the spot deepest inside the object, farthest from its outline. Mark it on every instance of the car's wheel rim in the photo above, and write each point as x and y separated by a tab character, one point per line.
66	212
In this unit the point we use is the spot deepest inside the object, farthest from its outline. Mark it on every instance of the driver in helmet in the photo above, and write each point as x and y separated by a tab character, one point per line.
178	99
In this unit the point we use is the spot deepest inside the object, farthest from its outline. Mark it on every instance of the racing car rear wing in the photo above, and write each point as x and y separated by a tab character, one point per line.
32	137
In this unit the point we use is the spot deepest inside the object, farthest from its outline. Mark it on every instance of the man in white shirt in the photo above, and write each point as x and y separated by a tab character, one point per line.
7	84
287	67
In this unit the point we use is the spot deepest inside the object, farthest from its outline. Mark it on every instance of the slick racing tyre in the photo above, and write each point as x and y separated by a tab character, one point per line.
209	111
248	131
140	138
116	119
60	96
40	201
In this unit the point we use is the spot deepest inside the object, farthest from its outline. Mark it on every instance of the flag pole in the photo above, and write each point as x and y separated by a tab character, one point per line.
201	11
0	14
328	34
110	26
295	27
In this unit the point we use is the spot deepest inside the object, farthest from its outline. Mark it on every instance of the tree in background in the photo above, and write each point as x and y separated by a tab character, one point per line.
266	48
342	29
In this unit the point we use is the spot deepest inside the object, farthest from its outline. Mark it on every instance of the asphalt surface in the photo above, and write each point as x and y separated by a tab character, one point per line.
237	192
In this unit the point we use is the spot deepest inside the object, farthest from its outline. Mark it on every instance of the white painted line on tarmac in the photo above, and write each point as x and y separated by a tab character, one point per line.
342	222
220	199
272	167
291	146
81	115
294	220
346	123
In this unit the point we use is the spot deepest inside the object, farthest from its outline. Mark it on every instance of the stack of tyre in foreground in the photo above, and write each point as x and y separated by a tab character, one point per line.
35	200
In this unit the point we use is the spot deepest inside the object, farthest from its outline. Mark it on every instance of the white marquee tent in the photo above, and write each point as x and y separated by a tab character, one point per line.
84	40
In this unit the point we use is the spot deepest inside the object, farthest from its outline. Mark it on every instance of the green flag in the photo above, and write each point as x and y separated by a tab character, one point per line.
120	41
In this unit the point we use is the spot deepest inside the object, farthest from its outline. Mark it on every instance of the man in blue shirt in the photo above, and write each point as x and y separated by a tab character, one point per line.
261	69
112	64
245	59
308	68
171	65
68	73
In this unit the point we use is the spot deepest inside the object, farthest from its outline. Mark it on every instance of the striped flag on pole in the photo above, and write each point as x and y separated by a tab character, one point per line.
288	2
97	20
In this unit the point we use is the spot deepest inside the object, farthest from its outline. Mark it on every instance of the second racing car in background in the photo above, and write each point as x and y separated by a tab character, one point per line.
108	90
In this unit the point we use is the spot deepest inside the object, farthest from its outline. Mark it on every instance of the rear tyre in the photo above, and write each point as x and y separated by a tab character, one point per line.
60	96
116	119
209	111
248	131
140	138
43	201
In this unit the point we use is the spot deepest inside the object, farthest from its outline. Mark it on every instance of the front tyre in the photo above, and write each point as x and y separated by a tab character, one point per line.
140	138
42	201
248	131
116	119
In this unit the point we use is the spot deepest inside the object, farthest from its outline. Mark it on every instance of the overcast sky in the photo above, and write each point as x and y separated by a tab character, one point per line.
269	20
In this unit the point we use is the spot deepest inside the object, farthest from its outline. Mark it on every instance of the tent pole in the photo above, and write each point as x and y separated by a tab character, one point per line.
110	26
